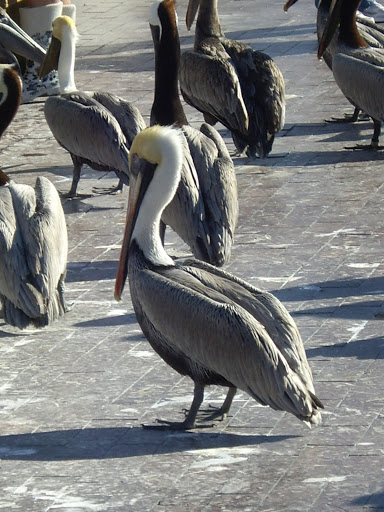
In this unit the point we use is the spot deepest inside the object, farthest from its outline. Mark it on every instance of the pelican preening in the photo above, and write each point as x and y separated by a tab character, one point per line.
230	82
205	323
204	211
357	68
95	128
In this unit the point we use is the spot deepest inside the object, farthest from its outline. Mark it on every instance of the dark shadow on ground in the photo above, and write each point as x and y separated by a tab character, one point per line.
323	290
371	502
371	348
109	443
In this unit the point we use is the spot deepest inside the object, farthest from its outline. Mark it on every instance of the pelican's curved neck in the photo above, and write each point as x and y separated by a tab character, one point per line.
167	108
66	68
159	194
348	32
208	23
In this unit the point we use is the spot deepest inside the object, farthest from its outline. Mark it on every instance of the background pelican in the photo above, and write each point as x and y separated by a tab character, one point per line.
230	82
95	128
205	209
357	68
33	235
14	39
204	322
372	33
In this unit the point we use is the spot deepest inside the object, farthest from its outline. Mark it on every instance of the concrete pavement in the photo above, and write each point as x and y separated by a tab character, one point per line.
73	396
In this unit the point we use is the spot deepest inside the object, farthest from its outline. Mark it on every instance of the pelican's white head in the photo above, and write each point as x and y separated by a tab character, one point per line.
156	158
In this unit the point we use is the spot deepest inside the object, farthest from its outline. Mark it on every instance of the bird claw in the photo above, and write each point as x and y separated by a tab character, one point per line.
174	425
365	147
108	191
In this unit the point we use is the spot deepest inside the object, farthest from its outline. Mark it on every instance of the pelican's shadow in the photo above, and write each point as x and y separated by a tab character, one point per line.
114	442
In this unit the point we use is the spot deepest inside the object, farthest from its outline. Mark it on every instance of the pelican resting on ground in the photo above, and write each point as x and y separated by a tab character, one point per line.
204	211
33	253
96	128
357	68
204	322
372	33
33	235
230	82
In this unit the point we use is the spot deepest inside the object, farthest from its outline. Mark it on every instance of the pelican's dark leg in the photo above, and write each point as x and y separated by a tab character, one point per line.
75	178
190	419
223	411
112	190
347	118
374	145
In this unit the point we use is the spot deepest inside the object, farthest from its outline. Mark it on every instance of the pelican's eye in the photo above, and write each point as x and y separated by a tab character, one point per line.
135	165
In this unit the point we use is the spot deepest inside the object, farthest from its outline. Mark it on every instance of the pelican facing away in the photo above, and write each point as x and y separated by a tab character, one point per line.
372	33
96	128
357	68
204	322
33	253
230	82
33	235
204	211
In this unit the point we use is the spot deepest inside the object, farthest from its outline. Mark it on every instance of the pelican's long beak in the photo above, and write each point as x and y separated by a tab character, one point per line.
333	21
289	4
14	39
51	60
193	6
140	178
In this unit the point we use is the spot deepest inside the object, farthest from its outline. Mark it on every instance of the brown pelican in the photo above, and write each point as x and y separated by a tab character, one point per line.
33	235
372	33
357	68
33	253
96	128
204	322
205	209
229	82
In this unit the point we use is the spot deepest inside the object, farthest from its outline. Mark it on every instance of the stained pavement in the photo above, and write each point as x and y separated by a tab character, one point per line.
73	397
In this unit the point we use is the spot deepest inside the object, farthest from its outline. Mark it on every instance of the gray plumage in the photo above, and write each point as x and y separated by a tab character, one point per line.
204	210
357	68
231	83
33	254
96	128
204	322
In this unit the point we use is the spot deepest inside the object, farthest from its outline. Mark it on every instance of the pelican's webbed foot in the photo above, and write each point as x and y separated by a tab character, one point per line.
176	425
108	190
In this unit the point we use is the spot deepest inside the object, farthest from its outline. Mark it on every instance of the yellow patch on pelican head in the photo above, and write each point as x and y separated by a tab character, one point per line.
148	144
62	23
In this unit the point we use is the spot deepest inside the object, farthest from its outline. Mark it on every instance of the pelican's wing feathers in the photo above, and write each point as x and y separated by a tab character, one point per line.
33	245
72	115
347	69
265	307
218	185
215	89
235	345
262	84
127	115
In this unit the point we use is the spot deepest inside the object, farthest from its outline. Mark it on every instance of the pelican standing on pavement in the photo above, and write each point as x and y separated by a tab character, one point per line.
230	82
204	211
205	323
357	68
96	128
33	234
372	33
